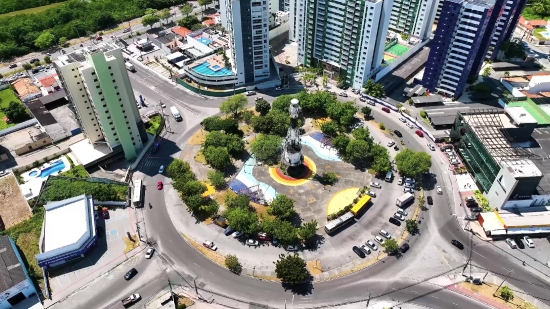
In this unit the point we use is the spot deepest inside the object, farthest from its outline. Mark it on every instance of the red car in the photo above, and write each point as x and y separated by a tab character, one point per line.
98	38
105	212
159	185
419	133
387	110
263	236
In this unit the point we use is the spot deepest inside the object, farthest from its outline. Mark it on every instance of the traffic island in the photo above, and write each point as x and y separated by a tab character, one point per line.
131	244
486	293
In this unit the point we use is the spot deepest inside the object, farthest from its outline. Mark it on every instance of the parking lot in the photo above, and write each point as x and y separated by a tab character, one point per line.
106	254
536	258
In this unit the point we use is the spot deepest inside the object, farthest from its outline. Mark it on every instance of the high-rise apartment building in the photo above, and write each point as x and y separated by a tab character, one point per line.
505	25
97	84
347	38
414	17
460	43
247	25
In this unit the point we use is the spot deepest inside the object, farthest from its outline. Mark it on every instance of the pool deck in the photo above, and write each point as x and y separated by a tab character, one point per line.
31	187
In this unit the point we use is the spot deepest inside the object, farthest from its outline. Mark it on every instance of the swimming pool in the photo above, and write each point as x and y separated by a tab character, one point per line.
204	69
203	40
54	167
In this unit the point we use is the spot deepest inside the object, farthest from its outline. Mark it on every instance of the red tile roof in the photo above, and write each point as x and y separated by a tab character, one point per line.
181	31
531	24
48	81
24	86
208	22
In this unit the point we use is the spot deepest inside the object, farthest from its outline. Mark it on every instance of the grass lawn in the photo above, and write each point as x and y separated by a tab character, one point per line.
6	96
26	235
153	124
529	14
77	172
32	10
537	34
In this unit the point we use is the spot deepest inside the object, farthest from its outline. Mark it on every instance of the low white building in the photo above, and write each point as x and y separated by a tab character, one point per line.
524	86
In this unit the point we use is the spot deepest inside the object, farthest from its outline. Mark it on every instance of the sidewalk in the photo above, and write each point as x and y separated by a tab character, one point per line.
46	152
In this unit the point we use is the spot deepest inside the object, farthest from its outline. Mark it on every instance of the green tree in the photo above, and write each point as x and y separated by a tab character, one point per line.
486	71
340	143
193	202
315	102
261	124
506	293
308	231
16	112
279	121
217	179
286	232
176	168
423	113
380	159
267	148
367	112
44	40
382	126
237	201
390	246
234	104
282	102
324	80
215	123
165	14
506	74
411	163
210	208
232	142
150	20
282	207
262	107
330	177
374	89
232	263
62	41
343	113
357	151
412	226
291	269
362	134
242	219
188	21
330	128
47	59
217	157
246	116
193	187
27	66
186	9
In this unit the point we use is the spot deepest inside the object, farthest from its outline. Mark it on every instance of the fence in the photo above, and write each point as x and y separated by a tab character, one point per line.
210	93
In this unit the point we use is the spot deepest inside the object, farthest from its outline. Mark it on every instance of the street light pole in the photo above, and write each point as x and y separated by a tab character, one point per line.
505	278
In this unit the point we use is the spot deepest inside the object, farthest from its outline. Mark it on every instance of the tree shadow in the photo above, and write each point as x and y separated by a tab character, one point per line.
303	289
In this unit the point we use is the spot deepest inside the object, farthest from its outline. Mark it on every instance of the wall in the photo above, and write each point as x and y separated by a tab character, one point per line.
19	126
198	45
210	93
501	189
273	33
400	60
32	146
535	201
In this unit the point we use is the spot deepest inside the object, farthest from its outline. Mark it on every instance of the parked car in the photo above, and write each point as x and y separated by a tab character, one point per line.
472	203
162	105
263	236
375	185
408	190
210	245
445	147
402	120
410	125
402	212
396	148
379	239
395	221
362	99
400	181
343	94
292	248
159	185
258	99
387	110
455	162
385	234
149	253
13	65
371	194
419	133
237	234
476	209
511	243
130	274
432	147
457	244
398	133
371	244
228	231
126	30
249	93
359	252
430	200
252	242
529	242
404	248
399	217
365	249
439	190
469	199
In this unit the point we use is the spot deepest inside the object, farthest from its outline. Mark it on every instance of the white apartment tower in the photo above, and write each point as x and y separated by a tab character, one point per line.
347	38
97	84
413	17
247	25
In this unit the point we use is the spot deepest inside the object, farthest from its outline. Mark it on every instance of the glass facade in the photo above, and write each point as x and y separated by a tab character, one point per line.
483	167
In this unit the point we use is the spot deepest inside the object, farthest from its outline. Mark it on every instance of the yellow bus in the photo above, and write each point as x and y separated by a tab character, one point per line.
360	205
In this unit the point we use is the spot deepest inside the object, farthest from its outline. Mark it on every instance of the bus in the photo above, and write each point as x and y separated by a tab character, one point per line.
338	222
136	198
360	205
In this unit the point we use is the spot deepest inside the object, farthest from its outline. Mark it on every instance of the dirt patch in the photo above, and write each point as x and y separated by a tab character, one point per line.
198	138
487	290
211	255
15	208
130	245
247	130
267	278
260	209
221	195
183	300
314	267
199	157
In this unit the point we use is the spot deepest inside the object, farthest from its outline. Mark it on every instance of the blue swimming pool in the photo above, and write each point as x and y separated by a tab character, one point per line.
54	167
204	69
204	41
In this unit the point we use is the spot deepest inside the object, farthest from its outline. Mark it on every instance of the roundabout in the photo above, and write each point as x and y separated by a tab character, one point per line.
296	176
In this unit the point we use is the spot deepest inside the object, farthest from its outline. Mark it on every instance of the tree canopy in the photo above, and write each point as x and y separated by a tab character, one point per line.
390	246
150	20
44	40
411	163
241	219
217	157
262	107
16	112
234	104
291	269
282	207
380	159
357	151
374	89
233	143
267	148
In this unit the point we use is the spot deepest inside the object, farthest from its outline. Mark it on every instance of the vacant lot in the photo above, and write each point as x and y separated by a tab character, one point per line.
32	10
15	208
6	96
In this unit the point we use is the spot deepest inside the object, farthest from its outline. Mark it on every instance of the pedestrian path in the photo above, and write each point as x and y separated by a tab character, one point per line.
245	180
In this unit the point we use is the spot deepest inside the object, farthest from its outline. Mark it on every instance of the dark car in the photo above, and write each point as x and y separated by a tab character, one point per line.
395	221
519	242
13	65
443	148
34	60
228	231
471	204
430	200
359	252
404	248
457	244
34	71
395	148
398	133
476	209
387	110
130	274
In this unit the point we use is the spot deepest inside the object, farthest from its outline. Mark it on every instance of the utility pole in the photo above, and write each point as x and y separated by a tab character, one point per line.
368	302
510	272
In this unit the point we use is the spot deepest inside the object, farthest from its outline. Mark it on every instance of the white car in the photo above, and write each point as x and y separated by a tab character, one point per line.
391	143
149	253
402	212
371	194
439	190
402	120
511	243
379	240
399	216
400	181
237	234
375	185
385	234
365	249
408	190
161	169
410	125
343	94
529	241
162	105
210	245
432	147
454	162
249	93
371	244
252	242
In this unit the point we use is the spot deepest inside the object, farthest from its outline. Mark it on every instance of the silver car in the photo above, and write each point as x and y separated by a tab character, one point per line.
371	244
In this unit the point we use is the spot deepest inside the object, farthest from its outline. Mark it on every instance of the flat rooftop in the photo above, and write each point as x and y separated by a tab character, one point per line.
79	55
65	222
525	219
85	153
542	137
10	266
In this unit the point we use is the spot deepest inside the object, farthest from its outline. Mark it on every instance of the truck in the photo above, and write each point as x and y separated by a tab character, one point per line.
130	67
404	199
130	300
175	113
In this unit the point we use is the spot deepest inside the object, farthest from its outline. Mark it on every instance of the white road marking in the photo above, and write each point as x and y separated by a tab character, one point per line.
58	282
478	254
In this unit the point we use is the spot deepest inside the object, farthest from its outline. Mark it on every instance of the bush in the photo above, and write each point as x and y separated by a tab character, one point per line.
382	126
217	157
330	177
217	179
232	263
61	188
506	293
423	114
215	123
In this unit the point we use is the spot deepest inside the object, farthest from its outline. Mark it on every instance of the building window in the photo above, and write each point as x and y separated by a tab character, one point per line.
111	74
104	105
109	67
93	73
